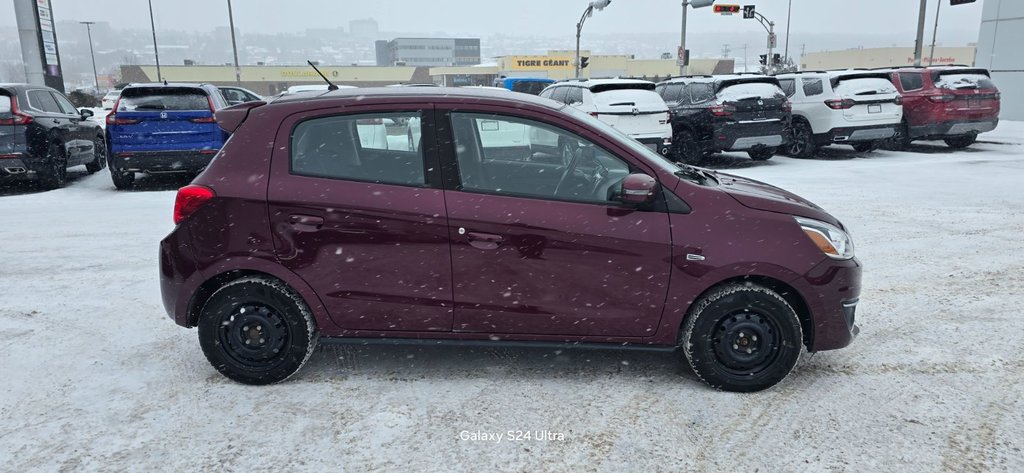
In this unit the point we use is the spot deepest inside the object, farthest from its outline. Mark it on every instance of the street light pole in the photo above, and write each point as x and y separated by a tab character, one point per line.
156	54
789	16
935	32
919	44
682	42
88	30
596	4
234	47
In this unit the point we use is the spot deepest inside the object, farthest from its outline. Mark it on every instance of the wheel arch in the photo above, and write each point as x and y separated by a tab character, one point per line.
209	286
786	291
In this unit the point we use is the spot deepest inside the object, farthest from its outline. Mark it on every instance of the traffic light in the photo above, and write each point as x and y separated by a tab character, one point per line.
776	59
764	59
727	9
584	61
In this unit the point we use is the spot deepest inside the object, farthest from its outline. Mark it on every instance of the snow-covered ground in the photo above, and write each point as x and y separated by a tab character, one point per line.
96	377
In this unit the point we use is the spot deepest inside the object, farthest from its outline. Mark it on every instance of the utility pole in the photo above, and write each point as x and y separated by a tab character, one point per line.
682	42
88	30
745	57
935	32
919	44
156	54
725	51
234	47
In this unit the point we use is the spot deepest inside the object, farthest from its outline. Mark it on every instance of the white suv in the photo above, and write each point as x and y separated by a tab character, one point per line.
855	107
630	106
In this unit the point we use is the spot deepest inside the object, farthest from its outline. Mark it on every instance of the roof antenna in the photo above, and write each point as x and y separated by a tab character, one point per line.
330	85
165	81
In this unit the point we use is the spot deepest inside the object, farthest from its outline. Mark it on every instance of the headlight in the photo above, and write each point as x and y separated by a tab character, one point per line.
828	238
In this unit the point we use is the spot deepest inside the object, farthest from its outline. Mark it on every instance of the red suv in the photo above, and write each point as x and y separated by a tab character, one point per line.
321	217
948	103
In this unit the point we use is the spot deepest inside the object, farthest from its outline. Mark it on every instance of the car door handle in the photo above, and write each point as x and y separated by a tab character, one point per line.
484	241
307	223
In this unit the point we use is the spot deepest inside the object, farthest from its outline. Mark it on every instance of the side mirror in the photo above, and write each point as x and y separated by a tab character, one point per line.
638	189
86	113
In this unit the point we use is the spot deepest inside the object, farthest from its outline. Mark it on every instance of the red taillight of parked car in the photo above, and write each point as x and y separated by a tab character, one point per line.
189	199
723	110
840	104
112	116
204	120
17	118
898	100
943	98
787	106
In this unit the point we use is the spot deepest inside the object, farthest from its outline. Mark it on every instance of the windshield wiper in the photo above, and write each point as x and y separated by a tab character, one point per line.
694	173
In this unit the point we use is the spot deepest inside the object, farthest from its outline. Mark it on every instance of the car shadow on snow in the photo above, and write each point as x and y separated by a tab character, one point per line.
404	362
159	182
17	187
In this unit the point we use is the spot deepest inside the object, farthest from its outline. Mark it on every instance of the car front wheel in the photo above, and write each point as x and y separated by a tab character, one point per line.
742	338
257	331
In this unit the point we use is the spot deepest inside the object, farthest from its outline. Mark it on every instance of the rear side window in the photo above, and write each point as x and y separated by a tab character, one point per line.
788	86
43	101
574	95
812	87
177	99
671	92
911	80
559	94
377	147
700	92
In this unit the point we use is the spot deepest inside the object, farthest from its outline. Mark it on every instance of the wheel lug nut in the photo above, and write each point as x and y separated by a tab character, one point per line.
261	340
245	328
735	346
247	342
754	338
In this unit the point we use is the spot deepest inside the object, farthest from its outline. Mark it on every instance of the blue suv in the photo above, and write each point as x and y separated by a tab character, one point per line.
163	128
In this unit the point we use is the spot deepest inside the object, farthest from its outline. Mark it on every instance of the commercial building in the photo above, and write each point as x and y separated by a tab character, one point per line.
428	52
999	50
884	57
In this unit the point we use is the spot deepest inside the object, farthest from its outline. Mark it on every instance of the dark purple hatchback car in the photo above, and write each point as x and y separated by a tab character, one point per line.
474	216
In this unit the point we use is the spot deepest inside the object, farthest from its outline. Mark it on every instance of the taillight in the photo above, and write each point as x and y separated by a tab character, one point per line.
666	119
840	104
723	110
594	114
204	120
17	118
113	120
942	98
787	106
997	95
189	199
898	100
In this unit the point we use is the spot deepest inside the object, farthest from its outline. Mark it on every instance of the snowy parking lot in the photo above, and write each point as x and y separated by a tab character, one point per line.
97	377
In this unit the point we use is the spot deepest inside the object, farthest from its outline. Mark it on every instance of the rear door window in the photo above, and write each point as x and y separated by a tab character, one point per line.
788	86
911	80
812	87
43	101
373	147
157	99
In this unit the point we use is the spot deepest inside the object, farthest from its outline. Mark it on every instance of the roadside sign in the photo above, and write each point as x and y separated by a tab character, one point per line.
683	57
727	9
773	40
748	11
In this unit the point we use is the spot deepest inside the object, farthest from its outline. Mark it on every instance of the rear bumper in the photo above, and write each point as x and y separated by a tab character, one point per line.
835	287
953	128
161	161
743	136
21	166
660	144
857	134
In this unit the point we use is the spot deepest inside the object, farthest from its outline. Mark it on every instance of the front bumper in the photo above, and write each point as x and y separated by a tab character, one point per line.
834	287
161	161
857	134
747	135
953	128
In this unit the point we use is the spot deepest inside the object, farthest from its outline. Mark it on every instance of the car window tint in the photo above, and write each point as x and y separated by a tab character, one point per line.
812	87
670	92
574	95
513	156
700	92
43	101
559	93
379	147
232	95
65	105
788	86
911	80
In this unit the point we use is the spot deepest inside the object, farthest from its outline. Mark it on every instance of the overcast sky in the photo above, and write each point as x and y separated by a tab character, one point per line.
511	17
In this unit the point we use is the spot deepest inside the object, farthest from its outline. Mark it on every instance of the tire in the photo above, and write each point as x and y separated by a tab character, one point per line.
865	147
100	153
745	315
123	180
762	154
961	142
257	330
685	148
55	175
901	140
802	144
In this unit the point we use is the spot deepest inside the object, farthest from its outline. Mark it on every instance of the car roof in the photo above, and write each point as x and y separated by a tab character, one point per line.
168	85
419	94
16	86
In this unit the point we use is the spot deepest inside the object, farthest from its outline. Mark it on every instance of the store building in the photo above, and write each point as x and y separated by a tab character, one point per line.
884	57
999	50
428	52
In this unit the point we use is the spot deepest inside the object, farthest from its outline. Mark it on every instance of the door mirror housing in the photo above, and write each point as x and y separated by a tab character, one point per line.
86	113
638	189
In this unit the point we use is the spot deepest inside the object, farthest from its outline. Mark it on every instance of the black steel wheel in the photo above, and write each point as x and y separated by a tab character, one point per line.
257	331
742	338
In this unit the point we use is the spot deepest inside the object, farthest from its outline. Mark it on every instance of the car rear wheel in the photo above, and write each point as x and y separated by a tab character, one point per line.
123	180
762	154
900	141
56	173
802	144
686	148
257	330
865	147
961	142
742	338
100	156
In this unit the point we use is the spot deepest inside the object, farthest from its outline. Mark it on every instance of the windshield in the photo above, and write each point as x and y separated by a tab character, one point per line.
865	86
965	81
598	88
750	90
163	99
643	99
